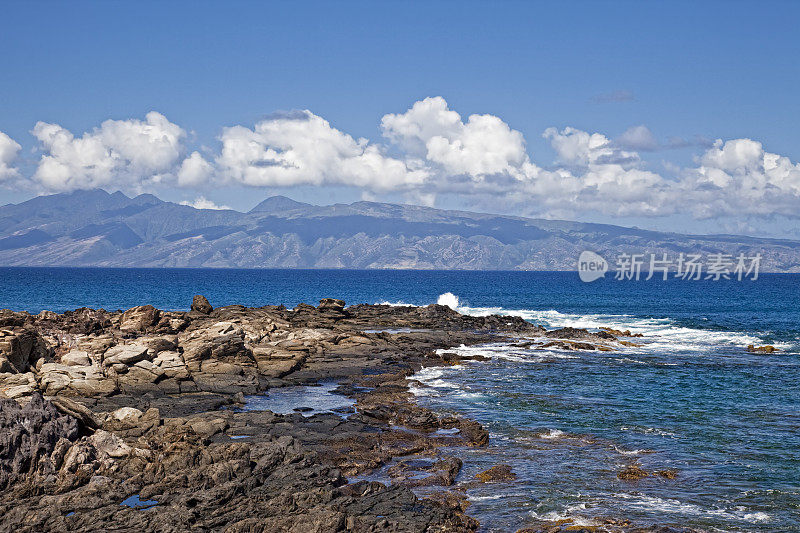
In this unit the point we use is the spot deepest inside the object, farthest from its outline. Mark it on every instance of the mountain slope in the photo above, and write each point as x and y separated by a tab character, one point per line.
95	228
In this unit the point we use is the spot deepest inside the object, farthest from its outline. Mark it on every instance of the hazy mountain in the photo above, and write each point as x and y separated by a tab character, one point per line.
95	228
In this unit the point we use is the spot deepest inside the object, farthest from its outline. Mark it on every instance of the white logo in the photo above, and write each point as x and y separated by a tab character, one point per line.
591	266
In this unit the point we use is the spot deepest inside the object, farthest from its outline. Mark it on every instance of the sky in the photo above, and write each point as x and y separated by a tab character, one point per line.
675	116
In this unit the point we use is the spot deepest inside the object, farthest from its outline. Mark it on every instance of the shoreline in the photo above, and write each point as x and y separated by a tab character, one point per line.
146	403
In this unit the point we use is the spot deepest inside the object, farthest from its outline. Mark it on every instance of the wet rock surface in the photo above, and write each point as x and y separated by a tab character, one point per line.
131	420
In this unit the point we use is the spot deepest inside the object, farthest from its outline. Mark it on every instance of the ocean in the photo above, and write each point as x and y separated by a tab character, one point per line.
688	398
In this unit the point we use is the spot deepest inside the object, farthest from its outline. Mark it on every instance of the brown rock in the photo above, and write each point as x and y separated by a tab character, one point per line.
20	348
200	305
632	473
497	473
666	474
76	410
139	318
762	349
331	304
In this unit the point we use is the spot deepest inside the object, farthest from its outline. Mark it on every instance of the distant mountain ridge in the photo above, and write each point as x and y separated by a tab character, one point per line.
97	228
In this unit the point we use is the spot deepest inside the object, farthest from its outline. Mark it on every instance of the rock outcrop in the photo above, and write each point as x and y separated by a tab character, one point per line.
140	408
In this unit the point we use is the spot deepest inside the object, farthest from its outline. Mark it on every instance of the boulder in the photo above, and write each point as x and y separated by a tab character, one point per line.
76	358
108	444
331	304
20	348
200	305
127	416
17	385
172	365
208	427
139	318
126	354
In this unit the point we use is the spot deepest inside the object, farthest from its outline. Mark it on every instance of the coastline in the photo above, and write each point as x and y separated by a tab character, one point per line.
149	404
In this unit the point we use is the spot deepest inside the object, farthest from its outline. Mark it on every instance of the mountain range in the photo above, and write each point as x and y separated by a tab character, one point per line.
97	228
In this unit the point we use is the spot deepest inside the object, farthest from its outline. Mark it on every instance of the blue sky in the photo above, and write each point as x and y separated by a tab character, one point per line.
718	70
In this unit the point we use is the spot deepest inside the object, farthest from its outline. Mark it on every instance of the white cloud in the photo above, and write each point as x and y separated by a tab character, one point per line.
301	148
577	147
9	149
429	151
128	154
739	177
638	138
482	146
202	203
194	171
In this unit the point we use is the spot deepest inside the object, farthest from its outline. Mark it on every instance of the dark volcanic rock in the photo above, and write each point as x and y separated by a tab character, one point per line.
28	437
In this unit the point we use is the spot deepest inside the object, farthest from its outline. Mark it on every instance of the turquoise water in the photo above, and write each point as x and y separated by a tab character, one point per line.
690	398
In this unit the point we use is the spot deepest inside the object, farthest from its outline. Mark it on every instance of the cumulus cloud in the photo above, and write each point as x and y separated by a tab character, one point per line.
427	152
577	147
201	202
127	154
482	146
302	148
9	149
740	177
194	171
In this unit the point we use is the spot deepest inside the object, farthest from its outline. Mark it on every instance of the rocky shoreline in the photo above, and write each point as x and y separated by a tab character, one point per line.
133	421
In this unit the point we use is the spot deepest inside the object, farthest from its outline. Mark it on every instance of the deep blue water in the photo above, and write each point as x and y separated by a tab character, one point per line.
690	398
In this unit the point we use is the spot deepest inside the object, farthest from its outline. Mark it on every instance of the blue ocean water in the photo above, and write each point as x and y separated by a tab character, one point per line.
689	398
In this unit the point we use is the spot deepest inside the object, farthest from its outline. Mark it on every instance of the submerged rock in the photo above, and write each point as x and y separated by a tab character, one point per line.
632	473
762	349
501	472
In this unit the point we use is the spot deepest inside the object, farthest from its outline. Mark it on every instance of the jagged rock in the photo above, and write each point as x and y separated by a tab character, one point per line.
286	473
47	315
159	344
28	435
200	305
80	380
420	473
